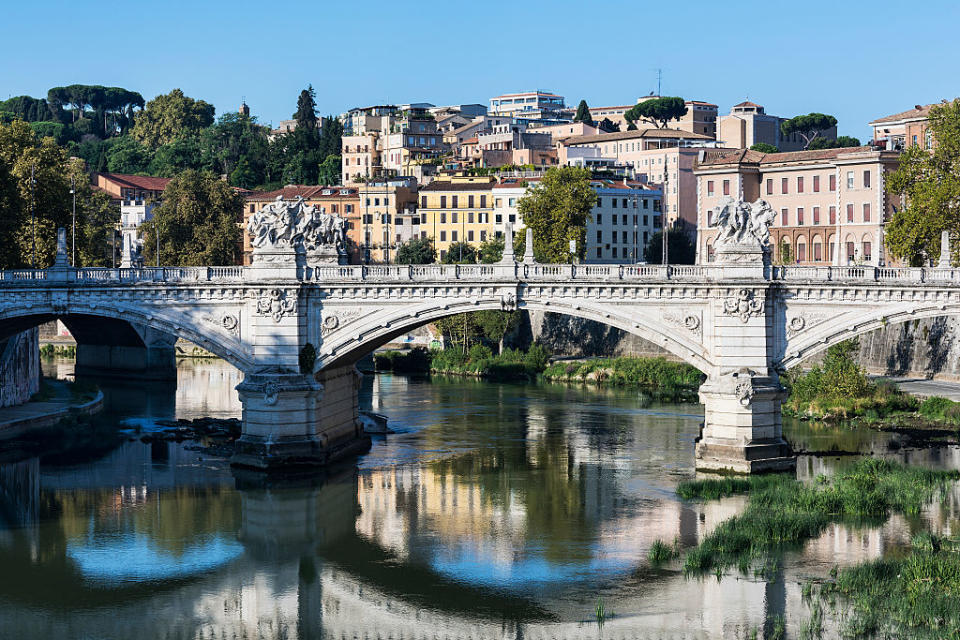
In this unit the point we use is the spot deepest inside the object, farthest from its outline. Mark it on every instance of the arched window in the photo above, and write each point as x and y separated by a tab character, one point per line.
817	249
866	247
801	249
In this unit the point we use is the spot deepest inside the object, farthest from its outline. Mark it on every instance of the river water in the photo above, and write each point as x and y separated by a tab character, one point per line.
495	511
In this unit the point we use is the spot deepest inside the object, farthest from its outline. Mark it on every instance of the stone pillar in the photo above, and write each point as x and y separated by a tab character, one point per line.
742	424
944	262
528	248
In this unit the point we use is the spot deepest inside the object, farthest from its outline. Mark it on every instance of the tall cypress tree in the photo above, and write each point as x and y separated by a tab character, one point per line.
306	114
583	113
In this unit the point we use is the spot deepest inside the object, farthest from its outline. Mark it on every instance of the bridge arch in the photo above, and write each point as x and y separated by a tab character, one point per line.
18	318
348	344
820	337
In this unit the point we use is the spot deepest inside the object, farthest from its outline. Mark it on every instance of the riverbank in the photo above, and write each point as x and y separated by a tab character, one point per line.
56	400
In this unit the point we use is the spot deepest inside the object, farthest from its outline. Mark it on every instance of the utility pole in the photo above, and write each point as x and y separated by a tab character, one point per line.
659	78
664	215
73	192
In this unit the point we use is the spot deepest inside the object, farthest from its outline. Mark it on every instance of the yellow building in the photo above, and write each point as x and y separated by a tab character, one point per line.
457	209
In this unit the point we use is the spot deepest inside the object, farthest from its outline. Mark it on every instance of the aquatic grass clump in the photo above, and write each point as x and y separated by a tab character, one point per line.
661	552
913	596
782	512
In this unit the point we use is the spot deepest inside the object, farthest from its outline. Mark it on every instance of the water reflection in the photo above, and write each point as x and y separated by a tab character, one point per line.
496	511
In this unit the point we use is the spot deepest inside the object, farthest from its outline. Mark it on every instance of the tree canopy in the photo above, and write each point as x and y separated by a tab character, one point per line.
460	253
657	111
171	116
197	222
557	210
841	141
763	147
809	127
583	114
417	251
928	182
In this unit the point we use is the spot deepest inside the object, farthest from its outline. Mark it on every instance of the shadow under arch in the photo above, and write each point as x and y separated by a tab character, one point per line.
846	327
350	344
17	319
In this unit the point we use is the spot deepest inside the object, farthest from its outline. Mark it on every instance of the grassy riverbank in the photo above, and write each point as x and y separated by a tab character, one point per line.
782	512
658	374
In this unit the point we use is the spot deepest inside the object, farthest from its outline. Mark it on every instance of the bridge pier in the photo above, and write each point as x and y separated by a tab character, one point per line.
148	354
295	420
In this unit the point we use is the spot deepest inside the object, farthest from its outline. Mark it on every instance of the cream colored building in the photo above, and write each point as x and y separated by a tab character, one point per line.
748	124
831	204
905	129
458	209
701	117
388	217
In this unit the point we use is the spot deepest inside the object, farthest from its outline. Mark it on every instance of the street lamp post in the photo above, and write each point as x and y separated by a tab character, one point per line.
33	216
73	192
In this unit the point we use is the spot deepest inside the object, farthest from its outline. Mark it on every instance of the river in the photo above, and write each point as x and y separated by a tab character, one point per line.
495	511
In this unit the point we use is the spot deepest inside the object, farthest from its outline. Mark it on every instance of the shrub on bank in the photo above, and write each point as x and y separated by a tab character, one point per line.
656	373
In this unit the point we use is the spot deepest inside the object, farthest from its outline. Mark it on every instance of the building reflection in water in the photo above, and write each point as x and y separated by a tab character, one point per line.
495	512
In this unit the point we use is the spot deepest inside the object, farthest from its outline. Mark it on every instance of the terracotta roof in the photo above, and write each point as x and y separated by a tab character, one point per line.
918	111
740	156
701	103
639	133
747	103
306	192
138	182
444	185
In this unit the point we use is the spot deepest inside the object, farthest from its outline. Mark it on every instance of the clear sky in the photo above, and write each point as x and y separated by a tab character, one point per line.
855	60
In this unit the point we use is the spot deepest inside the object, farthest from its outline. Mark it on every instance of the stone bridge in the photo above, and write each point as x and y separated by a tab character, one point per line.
297	329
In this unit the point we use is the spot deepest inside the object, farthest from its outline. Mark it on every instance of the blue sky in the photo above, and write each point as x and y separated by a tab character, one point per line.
855	60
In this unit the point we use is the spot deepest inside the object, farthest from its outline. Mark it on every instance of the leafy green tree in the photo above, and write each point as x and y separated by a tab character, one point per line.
809	127
56	130
329	171
583	114
495	325
197	222
306	114
128	156
176	156
928	184
417	251
238	147
784	253
764	147
840	142
680	247
22	154
27	108
491	251
460	253
557	210
171	116
331	134
609	126
657	111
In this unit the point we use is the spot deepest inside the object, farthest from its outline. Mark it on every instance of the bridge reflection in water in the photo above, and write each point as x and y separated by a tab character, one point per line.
494	518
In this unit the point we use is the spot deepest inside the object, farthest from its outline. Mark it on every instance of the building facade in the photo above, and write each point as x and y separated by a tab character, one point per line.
458	209
136	197
536	105
388	217
830	204
748	124
623	221
905	129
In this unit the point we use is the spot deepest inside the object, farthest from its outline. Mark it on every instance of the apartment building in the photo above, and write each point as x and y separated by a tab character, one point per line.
905	129
343	201
701	117
458	209
660	156
136	196
748	124
360	157
388	217
529	104
623	221
831	204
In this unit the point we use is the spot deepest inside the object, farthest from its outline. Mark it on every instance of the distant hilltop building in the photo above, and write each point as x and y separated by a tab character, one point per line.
701	117
531	105
136	196
905	129
748	123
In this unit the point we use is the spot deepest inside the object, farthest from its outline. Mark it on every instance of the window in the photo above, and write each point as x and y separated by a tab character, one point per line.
512	202
483	236
470	203
801	252
454	204
833	215
833	182
348	208
726	187
816	215
769	186
866	212
423	219
498	202
443	236
799	184
614	252
423	201
866	251
483	202
851	253
443	217
816	184
512	218
784	217
799	215
599	252
599	236
252	207
614	200
624	203
599	202
376	202
599	218
849	213
866	179
817	252
470	217
470	236
454	217
614	219
623	219
645	218
443	202
498	218
784	186
453	236
623	237
849	179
